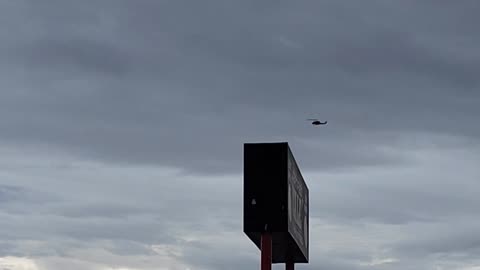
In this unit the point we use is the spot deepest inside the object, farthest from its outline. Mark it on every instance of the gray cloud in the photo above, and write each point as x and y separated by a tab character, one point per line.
74	56
122	124
456	240
120	86
355	214
9	193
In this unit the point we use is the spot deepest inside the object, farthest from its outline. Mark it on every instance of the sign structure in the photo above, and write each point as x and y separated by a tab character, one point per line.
276	201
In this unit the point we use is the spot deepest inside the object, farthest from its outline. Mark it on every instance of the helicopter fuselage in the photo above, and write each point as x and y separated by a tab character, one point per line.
317	123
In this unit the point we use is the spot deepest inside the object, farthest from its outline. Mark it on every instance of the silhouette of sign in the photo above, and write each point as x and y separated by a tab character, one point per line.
275	200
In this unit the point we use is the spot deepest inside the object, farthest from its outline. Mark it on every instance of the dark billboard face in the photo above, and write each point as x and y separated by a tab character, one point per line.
298	205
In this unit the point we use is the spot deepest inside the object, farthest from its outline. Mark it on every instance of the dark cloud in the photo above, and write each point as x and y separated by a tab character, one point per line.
9	193
133	89
69	56
120	81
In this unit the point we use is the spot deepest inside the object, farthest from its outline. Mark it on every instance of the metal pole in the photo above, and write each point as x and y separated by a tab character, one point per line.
266	251
289	266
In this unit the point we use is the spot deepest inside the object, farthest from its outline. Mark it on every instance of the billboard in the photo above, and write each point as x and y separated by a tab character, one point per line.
275	199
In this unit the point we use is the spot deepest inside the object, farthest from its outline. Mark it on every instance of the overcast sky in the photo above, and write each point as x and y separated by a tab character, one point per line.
122	126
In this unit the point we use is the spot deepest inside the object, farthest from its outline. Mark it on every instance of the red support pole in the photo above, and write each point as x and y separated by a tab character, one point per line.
289	266
266	251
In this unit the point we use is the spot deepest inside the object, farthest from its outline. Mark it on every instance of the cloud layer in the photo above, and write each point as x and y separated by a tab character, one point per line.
122	126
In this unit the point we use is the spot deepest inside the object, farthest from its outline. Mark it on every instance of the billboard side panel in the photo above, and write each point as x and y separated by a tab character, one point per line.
298	206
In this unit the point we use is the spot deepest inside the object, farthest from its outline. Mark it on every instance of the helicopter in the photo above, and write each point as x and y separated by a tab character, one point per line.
317	122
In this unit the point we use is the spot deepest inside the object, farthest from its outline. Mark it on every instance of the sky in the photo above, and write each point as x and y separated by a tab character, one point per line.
122	126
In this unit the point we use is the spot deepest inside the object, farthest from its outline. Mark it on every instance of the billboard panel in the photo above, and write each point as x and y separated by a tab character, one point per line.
297	205
275	199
